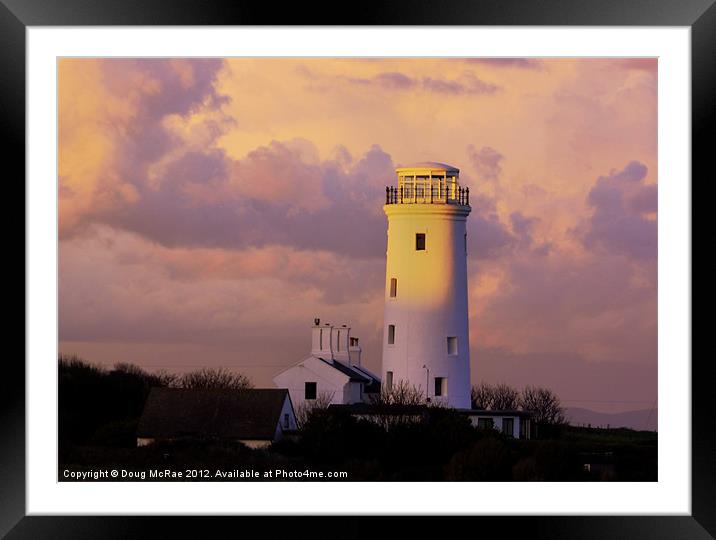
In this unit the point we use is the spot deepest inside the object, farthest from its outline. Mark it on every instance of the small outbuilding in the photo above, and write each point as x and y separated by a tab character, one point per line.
254	417
512	423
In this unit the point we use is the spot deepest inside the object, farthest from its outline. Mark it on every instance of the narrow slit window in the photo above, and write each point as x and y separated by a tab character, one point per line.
440	386
452	345
419	241
393	287
391	334
286	421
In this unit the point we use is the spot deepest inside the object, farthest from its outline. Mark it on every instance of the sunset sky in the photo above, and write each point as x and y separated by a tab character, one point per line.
209	209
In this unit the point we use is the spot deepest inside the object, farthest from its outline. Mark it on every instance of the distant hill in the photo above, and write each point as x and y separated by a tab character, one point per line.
645	419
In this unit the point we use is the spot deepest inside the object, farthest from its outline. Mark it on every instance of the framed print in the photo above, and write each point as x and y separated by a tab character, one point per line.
419	261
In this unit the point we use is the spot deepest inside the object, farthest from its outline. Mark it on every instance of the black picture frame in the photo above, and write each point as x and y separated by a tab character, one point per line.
17	15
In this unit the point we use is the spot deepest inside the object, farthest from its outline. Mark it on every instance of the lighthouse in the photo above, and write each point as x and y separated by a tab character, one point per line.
426	341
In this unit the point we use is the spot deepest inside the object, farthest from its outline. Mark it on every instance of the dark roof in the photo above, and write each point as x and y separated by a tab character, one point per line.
212	413
373	387
354	375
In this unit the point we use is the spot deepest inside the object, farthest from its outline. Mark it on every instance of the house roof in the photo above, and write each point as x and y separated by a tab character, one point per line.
353	374
373	387
212	413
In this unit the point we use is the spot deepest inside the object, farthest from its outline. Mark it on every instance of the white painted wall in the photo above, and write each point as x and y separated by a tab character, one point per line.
329	381
431	302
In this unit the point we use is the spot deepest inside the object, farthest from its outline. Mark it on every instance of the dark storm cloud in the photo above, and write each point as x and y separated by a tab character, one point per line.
349	222
182	87
279	194
618	223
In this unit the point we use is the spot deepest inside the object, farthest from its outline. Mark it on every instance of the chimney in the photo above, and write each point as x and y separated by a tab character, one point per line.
321	340
340	341
354	352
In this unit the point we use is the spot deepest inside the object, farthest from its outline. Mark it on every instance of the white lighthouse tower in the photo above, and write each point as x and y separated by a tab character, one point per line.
426	341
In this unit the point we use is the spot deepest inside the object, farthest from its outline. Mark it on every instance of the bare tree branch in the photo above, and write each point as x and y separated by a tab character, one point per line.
214	378
544	404
306	410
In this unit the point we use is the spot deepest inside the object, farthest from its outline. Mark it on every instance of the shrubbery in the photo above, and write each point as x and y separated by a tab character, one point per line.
99	410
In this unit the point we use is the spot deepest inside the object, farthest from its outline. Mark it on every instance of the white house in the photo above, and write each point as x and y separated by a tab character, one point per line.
332	373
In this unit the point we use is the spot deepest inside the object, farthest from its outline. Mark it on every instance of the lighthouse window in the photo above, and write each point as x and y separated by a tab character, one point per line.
389	379
310	390
391	334
393	287
452	345
440	386
420	241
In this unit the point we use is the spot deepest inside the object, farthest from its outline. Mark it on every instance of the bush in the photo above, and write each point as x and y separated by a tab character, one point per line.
120	433
486	460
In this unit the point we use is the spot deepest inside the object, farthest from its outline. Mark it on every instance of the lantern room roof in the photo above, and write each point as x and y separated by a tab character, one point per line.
433	166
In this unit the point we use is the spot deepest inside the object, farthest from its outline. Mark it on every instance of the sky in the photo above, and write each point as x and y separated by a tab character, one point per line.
210	209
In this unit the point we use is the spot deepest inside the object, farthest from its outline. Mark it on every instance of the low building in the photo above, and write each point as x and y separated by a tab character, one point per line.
512	423
333	373
254	417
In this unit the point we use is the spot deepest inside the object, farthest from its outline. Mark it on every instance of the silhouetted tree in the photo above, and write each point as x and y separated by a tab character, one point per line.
544	404
505	397
498	397
310	407
481	396
159	378
400	404
101	406
214	378
400	393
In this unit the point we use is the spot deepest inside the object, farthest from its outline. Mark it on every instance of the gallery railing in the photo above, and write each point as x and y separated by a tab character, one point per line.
427	195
